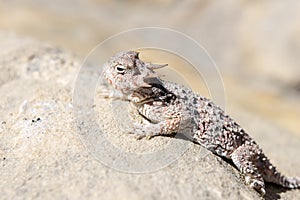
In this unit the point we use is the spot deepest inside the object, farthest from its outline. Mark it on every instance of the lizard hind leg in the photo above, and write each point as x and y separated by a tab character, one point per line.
270	174
243	157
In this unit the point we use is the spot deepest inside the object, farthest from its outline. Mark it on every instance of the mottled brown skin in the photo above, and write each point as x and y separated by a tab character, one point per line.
169	107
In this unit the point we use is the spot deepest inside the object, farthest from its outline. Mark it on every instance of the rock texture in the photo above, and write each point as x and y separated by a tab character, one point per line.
43	156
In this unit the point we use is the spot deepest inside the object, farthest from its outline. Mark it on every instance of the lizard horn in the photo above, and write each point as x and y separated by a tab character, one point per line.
137	53
145	85
152	75
155	66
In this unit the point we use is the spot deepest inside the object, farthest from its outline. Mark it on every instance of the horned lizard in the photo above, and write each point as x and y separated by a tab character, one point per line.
169	108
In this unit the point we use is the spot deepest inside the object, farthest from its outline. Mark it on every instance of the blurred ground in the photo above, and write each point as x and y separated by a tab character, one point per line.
256	45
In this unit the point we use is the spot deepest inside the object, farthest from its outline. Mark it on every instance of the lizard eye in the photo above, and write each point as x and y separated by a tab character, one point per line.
120	69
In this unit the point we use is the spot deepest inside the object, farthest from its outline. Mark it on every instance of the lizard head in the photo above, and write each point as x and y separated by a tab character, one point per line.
126	72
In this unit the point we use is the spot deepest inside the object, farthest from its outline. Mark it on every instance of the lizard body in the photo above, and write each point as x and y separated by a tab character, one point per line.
169	108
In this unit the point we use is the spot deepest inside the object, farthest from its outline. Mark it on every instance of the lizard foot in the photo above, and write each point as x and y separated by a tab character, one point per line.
141	131
258	185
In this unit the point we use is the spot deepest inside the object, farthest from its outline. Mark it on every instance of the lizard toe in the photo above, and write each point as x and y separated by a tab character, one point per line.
258	186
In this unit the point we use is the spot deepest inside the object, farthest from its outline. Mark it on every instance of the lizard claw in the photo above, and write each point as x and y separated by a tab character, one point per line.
135	132
142	136
139	132
105	93
139	137
258	186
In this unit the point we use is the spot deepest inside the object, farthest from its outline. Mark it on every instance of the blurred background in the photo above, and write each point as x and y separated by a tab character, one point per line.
255	44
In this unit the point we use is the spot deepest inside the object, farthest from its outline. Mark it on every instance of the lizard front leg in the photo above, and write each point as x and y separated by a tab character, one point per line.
112	94
149	130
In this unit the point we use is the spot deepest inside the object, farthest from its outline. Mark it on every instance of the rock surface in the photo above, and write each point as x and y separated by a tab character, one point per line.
44	156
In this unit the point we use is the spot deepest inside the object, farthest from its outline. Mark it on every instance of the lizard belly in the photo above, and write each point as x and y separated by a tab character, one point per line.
154	114
218	139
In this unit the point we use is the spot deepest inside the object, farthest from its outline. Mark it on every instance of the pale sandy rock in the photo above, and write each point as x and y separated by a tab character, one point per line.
44	156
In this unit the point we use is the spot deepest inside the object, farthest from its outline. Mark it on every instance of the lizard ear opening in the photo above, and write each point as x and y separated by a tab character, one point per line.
155	66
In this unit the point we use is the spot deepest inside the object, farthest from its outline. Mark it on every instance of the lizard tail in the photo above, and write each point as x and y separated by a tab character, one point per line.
271	174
